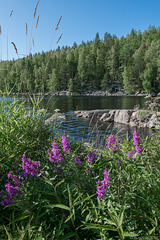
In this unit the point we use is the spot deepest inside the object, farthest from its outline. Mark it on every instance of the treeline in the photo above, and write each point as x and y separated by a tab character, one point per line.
131	62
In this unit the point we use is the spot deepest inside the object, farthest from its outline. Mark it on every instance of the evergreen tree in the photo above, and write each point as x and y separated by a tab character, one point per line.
131	62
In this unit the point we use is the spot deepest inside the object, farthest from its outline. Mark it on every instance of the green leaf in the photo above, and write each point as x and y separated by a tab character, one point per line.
70	197
58	206
107	221
152	230
68	218
58	184
48	181
8	234
114	218
67	236
99	226
20	218
127	234
75	203
48	193
121	217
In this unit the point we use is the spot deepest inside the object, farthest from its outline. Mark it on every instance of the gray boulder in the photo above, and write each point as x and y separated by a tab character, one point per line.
122	116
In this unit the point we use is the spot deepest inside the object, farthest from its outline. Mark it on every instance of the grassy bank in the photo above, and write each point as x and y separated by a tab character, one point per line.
52	187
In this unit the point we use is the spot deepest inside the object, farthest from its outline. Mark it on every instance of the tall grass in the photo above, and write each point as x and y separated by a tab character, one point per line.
21	129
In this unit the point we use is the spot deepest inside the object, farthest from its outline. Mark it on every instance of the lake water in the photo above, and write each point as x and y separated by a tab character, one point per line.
94	132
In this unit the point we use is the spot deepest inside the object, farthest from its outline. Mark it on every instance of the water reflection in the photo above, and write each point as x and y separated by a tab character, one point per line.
66	104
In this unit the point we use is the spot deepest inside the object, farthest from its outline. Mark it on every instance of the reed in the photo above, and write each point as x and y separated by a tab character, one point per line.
15	47
26	37
59	38
11	13
35	11
37	21
33	43
58	23
8	30
1	42
57	27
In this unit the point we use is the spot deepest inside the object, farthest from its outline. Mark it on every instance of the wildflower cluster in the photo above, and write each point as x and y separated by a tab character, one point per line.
103	185
30	167
137	142
55	156
91	157
112	143
65	143
12	190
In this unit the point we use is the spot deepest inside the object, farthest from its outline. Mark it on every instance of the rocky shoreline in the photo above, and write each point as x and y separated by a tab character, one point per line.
87	93
133	118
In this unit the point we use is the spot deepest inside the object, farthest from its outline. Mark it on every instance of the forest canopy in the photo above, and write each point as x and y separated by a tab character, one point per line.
131	62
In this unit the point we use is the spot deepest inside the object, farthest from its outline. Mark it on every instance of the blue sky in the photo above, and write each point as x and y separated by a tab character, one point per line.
81	20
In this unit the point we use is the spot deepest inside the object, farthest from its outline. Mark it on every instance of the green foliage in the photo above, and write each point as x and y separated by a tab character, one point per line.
132	62
64	204
21	129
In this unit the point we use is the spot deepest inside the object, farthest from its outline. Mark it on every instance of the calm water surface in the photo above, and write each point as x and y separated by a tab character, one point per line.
67	104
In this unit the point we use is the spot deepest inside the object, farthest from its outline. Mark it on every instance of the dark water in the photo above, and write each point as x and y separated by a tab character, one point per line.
94	132
67	104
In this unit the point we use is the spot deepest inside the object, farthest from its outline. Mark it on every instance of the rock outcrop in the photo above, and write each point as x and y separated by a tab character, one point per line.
139	118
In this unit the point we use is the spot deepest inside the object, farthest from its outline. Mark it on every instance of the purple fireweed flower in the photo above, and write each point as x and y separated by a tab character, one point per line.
136	138
112	143
65	143
77	160
139	150
137	142
12	190
15	179
29	166
7	200
55	156
91	157
103	185
55	148
115	147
